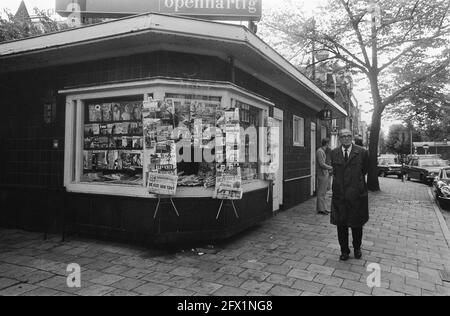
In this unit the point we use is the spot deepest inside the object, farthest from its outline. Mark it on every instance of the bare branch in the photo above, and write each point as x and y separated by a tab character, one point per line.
357	31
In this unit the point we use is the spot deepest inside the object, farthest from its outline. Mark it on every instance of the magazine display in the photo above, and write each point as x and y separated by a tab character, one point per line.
113	143
138	143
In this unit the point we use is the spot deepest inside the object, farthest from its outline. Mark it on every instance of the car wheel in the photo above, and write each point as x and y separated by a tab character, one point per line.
408	177
383	174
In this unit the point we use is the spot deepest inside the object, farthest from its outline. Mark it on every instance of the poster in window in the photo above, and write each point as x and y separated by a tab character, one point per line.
162	184
95	113
228	182
106	112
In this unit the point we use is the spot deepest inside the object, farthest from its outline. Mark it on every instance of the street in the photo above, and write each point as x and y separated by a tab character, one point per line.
294	253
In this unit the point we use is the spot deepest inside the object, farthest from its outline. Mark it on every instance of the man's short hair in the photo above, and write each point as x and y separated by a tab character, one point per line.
344	131
325	141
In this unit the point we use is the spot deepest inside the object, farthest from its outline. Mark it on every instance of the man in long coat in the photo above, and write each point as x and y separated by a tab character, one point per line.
350	205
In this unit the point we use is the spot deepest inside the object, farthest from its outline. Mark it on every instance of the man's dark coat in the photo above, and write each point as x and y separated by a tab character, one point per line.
350	205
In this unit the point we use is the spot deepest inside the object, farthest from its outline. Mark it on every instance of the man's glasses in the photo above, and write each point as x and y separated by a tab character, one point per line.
347	137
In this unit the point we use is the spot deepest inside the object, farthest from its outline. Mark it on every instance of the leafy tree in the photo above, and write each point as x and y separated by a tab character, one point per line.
427	110
12	28
397	45
398	140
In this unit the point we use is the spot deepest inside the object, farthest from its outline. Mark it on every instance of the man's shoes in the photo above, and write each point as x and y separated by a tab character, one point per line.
344	257
358	254
323	213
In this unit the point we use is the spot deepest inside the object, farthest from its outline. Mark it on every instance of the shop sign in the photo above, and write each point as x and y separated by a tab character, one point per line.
208	9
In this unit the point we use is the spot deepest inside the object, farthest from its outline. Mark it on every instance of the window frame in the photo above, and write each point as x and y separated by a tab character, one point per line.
300	132
74	131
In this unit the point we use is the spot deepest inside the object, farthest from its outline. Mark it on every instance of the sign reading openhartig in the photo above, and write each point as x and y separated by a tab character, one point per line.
211	9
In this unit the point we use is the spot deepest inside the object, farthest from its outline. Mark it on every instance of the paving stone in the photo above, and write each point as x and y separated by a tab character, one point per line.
127	284
284	291
279	269
206	288
405	273
177	292
231	270
5	283
151	289
320	269
183	271
254	275
335	291
42	291
308	286
121	293
17	290
255	286
230	291
180	282
231	280
328	280
279	279
302	274
385	292
107	279
136	273
347	275
95	290
356	286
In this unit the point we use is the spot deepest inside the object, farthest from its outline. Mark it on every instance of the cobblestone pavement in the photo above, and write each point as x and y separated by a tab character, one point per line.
295	253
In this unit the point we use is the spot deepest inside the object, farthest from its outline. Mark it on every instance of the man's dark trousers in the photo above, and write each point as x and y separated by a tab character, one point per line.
357	233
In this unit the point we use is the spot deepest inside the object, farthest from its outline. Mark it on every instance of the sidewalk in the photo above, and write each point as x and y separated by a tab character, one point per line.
295	253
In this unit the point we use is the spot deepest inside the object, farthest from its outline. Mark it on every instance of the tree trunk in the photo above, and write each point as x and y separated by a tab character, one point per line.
373	183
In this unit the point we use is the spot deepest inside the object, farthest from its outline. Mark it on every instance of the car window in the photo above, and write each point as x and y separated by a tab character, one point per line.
386	161
433	163
415	163
448	173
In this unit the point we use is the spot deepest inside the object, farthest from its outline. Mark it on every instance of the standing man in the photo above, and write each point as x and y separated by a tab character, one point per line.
323	177
350	204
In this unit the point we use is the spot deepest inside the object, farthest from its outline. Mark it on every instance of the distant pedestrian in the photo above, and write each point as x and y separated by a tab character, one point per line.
350	206
323	176
359	142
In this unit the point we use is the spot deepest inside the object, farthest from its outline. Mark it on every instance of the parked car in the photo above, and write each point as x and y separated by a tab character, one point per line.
442	187
425	168
389	165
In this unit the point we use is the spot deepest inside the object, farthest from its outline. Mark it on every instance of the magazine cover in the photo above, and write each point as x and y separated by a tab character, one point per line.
99	160
95	113
87	160
137	142
137	111
91	130
106	112
232	142
126	110
113	157
116	112
228	182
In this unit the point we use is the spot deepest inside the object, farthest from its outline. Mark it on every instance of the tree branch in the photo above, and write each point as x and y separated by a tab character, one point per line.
357	31
399	92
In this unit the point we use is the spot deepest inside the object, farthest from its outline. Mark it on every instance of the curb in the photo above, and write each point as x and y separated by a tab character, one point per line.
442	222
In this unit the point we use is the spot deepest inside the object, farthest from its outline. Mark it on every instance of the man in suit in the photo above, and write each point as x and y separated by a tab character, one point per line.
350	206
323	170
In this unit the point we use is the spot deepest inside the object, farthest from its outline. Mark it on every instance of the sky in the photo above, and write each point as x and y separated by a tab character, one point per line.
309	5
